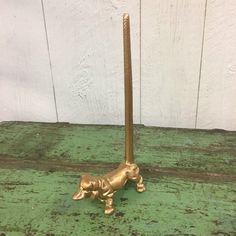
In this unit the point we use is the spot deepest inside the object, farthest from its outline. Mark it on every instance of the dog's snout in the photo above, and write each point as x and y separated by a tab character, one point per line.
79	194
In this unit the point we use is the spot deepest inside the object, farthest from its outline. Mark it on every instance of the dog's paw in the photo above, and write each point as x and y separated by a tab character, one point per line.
109	210
140	188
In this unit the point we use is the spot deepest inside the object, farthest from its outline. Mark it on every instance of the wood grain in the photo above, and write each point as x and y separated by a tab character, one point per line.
25	81
171	52
177	86
217	99
85	39
191	193
183	151
40	203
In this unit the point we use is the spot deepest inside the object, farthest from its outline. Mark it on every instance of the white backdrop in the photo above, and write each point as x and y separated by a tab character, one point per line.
63	61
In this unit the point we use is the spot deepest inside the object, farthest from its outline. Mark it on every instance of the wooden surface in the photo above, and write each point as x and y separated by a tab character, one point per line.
190	178
171	42
183	62
26	91
86	46
217	101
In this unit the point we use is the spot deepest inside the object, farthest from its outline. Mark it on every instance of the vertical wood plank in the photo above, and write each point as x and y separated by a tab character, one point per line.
217	99
171	42
25	81
85	40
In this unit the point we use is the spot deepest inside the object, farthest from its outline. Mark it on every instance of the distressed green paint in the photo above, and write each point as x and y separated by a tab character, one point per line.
39	203
197	150
34	202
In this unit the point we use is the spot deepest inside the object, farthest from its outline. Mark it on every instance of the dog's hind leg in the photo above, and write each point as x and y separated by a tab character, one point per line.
109	208
139	183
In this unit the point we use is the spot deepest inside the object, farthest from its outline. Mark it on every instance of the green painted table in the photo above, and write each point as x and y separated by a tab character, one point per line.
190	177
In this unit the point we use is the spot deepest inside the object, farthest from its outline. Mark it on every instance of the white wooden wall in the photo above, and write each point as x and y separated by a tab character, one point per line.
63	61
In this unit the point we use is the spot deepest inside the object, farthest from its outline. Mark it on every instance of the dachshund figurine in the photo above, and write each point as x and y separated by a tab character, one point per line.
104	187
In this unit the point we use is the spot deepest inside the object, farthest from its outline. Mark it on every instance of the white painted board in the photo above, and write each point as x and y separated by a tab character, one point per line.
85	42
217	99
171	41
25	83
86	47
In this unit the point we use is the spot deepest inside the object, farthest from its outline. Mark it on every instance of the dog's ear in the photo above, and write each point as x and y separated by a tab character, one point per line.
87	183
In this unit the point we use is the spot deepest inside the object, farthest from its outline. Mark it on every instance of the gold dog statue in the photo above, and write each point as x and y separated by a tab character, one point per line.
104	187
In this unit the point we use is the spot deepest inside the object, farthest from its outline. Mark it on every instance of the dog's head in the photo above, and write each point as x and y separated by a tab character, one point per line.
85	189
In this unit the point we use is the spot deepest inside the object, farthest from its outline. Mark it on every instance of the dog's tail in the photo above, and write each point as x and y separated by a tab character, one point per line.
129	156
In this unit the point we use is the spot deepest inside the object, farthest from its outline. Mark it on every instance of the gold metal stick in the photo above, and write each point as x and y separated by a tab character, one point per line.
129	155
104	187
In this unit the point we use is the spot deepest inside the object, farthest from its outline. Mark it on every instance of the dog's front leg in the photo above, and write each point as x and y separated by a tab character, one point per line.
109	208
94	194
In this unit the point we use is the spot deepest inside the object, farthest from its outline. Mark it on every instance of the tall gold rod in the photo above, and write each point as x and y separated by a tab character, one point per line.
104	187
129	155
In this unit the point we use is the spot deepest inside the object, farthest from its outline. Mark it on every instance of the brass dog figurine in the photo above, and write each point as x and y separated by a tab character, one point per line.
104	187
